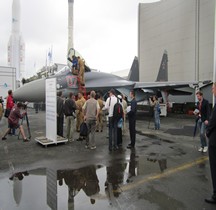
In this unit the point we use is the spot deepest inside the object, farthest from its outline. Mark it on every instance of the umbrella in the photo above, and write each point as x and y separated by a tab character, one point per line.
195	126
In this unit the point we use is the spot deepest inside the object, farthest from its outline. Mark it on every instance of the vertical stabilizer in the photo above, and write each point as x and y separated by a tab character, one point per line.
134	71
163	71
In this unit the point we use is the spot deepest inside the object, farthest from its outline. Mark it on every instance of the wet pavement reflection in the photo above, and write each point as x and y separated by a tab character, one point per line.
90	187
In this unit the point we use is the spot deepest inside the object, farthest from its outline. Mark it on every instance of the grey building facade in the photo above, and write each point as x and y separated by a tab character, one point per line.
185	28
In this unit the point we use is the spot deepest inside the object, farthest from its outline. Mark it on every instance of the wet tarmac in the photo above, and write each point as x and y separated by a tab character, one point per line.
164	171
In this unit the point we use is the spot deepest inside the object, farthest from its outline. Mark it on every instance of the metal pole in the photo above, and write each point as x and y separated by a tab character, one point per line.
197	31
70	24
214	66
46	64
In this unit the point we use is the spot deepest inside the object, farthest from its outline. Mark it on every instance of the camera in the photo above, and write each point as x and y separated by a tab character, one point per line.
151	98
22	105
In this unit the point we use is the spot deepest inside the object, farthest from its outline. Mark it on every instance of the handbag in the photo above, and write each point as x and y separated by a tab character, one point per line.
7	113
83	129
120	123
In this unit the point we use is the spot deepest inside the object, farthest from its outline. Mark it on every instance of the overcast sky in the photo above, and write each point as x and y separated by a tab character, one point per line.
105	32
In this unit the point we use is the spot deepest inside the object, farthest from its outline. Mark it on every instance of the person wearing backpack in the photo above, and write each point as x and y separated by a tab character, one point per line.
156	106
120	120
132	120
109	105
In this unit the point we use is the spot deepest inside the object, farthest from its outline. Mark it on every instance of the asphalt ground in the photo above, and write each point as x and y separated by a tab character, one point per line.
164	171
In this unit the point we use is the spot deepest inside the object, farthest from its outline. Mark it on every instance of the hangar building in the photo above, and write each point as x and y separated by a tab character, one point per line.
185	29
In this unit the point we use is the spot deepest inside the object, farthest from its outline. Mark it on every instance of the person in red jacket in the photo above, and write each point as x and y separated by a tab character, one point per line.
10	101
13	121
9	105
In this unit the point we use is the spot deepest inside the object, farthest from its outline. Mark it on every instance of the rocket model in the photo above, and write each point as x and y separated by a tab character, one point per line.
70	24
16	46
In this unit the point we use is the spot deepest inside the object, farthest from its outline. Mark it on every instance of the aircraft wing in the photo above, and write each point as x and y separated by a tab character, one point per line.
169	87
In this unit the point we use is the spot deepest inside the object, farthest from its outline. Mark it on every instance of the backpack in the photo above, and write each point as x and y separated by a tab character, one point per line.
117	111
83	129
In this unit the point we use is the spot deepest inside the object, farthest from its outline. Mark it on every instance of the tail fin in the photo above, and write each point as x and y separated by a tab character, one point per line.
163	71
134	71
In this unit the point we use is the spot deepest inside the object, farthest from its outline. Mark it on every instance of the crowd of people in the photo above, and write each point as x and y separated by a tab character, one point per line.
92	112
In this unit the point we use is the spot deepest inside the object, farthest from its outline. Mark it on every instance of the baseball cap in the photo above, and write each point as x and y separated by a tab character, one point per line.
119	96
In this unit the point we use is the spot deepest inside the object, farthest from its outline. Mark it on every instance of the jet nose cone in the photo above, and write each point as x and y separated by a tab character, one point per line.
32	92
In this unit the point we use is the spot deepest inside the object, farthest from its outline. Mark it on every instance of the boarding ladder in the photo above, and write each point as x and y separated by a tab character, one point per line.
81	88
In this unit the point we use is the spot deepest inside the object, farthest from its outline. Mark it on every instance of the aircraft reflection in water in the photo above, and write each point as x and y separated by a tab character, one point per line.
99	81
86	179
81	187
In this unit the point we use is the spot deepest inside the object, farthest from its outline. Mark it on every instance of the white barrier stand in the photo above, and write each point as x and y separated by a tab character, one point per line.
51	119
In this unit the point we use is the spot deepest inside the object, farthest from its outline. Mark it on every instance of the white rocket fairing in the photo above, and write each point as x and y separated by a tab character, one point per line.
16	45
70	24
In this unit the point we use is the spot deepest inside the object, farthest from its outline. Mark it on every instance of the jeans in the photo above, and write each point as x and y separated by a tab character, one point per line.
202	128
157	120
112	133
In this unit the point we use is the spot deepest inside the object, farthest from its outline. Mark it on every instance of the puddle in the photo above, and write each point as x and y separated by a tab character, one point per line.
185	131
154	137
90	187
167	141
179	151
162	161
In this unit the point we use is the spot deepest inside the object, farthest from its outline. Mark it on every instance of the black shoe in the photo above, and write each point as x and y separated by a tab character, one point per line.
26	140
4	138
80	139
110	149
130	146
97	130
210	200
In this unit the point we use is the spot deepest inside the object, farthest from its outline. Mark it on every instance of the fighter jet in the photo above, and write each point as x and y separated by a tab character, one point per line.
103	82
